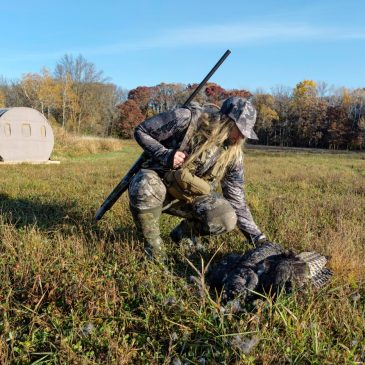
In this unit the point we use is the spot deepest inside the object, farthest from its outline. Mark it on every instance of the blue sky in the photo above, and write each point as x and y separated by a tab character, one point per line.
148	42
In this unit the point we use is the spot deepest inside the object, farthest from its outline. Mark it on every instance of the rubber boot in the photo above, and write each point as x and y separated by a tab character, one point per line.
148	226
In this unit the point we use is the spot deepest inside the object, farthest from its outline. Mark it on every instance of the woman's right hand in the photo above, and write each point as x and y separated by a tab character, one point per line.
179	159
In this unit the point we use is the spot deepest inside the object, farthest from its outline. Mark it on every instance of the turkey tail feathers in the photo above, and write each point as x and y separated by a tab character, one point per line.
315	261
322	277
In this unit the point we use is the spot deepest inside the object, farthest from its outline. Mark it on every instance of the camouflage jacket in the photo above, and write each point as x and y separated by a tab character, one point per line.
162	135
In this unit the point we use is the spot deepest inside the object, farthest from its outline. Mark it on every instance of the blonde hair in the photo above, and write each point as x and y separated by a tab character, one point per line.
213	132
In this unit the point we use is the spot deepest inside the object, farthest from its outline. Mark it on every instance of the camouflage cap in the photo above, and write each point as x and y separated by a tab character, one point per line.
243	113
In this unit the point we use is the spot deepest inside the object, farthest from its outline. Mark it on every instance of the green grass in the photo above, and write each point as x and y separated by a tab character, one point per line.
76	292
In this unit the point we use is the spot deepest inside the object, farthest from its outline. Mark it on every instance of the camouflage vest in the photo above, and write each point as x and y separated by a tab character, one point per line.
205	165
188	184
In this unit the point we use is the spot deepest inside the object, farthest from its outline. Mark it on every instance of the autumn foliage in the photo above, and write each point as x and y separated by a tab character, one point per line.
306	116
129	116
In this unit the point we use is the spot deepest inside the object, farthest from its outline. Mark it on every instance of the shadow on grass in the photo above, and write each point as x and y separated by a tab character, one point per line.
191	262
65	217
22	212
70	220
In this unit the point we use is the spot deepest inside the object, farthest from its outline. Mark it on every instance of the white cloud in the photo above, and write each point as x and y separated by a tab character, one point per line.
228	35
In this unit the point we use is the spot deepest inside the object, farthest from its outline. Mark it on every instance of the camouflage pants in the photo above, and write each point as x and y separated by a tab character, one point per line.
209	214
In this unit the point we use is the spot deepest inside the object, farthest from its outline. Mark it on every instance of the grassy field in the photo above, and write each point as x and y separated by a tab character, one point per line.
76	292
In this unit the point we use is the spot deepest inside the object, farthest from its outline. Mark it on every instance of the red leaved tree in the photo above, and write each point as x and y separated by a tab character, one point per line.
237	92
215	93
142	96
129	115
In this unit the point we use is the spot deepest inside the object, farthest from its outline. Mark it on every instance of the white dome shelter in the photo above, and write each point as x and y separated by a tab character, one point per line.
25	135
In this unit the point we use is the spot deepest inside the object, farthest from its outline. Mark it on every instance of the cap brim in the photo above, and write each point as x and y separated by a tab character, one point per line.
251	135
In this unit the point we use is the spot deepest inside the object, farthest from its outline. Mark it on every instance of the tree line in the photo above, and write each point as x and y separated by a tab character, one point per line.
77	97
310	115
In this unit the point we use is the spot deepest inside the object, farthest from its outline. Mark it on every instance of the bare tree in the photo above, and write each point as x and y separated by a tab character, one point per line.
81	75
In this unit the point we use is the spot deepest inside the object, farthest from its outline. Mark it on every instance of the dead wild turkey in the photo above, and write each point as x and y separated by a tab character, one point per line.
267	268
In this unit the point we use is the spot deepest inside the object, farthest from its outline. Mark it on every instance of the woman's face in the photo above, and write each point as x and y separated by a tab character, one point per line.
235	136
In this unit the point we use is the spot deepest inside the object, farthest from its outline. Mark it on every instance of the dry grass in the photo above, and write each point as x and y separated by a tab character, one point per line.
76	292
70	145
